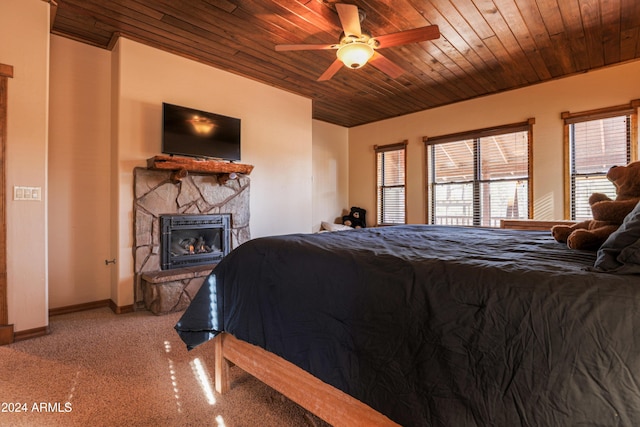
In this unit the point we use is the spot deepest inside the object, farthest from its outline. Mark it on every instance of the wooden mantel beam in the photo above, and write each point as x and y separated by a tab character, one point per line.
197	165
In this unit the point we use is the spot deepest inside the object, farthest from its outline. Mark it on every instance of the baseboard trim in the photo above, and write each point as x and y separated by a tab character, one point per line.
31	333
79	307
8	336
120	310
90	306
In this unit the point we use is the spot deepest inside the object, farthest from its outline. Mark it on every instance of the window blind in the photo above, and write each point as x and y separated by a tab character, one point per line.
595	140
481	179
596	146
390	172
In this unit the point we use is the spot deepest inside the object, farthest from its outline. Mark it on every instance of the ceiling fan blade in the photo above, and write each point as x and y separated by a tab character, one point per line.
386	66
333	68
350	19
285	47
409	36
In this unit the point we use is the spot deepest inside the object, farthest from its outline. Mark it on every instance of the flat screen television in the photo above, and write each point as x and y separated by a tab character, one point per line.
194	133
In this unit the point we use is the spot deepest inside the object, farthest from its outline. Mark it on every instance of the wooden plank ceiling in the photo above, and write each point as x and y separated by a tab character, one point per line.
486	46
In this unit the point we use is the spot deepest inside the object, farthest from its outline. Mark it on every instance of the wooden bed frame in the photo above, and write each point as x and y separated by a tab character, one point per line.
321	399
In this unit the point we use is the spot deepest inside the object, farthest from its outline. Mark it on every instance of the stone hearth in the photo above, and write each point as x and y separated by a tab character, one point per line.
156	193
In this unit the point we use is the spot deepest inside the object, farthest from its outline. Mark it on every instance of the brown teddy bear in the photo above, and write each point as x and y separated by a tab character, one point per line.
607	214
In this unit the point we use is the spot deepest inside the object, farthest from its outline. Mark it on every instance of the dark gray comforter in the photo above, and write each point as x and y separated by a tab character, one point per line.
435	325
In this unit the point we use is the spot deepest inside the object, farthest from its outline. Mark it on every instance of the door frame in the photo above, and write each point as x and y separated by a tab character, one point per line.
6	330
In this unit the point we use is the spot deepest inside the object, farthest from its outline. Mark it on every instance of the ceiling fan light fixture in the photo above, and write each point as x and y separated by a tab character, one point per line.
355	55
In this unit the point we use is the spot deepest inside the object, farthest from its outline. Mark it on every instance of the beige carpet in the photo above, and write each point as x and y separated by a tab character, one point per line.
101	369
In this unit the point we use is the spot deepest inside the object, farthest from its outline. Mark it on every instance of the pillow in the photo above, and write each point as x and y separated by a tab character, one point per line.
620	253
334	227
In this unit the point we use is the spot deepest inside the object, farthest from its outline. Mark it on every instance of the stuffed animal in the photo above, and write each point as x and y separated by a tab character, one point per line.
607	214
356	218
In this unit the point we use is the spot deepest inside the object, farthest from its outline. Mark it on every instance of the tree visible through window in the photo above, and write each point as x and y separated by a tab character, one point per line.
391	194
596	141
478	178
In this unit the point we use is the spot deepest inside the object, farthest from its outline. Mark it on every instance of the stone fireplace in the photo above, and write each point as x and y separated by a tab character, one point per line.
205	208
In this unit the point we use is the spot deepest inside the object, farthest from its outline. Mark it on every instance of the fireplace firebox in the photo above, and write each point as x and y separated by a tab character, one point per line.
189	240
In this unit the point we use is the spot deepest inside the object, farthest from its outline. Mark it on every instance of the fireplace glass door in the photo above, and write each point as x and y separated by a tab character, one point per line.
190	240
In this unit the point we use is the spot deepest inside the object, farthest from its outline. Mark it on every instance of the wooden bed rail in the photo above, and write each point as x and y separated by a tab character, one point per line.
330	404
531	224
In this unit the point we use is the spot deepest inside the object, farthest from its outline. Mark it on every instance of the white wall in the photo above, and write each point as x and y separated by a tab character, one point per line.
276	139
24	35
330	173
79	166
544	102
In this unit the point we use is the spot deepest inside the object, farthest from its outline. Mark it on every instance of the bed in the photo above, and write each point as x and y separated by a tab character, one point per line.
423	325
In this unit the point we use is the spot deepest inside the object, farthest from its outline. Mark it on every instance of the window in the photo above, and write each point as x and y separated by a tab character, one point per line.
479	177
391	183
595	141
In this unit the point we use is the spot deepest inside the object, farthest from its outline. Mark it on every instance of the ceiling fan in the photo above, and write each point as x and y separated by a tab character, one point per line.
357	47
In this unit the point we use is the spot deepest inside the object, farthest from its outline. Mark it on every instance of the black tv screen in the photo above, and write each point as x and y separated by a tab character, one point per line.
195	133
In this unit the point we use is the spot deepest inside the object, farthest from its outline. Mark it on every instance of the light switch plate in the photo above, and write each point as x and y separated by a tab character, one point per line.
27	193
